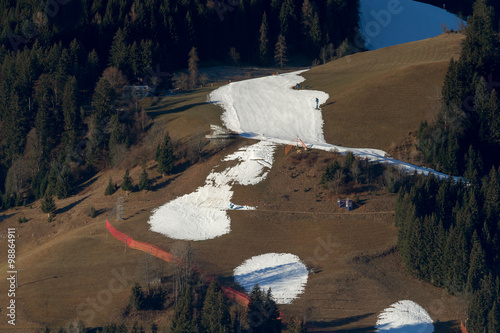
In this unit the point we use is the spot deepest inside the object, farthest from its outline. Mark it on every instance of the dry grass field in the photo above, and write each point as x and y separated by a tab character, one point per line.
378	97
69	263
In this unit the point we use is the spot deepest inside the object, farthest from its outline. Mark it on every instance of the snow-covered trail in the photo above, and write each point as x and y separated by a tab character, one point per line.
268	109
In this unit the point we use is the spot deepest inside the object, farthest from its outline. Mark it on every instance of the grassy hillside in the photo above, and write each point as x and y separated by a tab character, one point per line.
377	97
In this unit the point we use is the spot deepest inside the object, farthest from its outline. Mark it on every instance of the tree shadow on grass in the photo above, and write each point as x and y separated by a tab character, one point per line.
84	184
341	322
4	217
71	205
160	183
159	112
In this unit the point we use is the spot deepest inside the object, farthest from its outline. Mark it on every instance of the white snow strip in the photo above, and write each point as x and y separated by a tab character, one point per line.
392	22
284	273
202	214
405	317
268	109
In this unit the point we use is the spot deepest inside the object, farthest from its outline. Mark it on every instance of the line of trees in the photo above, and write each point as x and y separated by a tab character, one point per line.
62	70
468	124
449	235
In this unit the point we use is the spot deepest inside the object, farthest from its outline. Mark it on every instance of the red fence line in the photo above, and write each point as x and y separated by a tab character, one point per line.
232	294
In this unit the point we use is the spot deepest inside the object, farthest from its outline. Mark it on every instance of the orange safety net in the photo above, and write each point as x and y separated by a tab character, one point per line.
287	149
237	296
462	328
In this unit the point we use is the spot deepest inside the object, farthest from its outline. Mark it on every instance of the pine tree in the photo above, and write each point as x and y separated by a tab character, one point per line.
296	326
118	54
193	67
215	314
165	156
271	309
477	267
103	99
280	52
48	205
264	40
315	32
144	180
71	112
494	118
136	299
262	312
494	318
117	137
127	184
183	322
110	189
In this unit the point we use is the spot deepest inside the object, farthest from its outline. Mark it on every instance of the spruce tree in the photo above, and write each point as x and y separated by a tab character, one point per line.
144	180
118	54
71	112
110	189
494	318
215	314
477	266
136	299
280	52
264	40
165	156
183	320
296	326
127	184
48	205
103	99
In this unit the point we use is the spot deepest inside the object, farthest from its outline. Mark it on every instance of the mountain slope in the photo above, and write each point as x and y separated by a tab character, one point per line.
377	97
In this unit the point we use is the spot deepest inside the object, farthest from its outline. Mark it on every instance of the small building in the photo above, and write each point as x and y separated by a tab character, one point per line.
138	91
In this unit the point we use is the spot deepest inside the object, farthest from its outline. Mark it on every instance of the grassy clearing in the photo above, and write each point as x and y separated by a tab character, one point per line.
378	97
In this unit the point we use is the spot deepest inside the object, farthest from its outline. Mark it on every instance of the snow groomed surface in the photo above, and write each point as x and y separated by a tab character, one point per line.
268	109
391	22
284	273
202	214
404	317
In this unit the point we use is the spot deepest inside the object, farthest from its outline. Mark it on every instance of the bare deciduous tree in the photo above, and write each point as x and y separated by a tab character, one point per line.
116	79
204	79
181	81
184	271
193	67
234	55
196	145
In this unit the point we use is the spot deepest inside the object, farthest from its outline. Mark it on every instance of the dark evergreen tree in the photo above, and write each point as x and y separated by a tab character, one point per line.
127	184
264	40
136	299
296	326
165	156
71	112
48	205
111	188
183	320
215	314
144	180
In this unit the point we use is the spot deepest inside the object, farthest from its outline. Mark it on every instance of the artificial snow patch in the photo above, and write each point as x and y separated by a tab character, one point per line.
392	22
404	317
268	109
284	273
202	214
268	106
